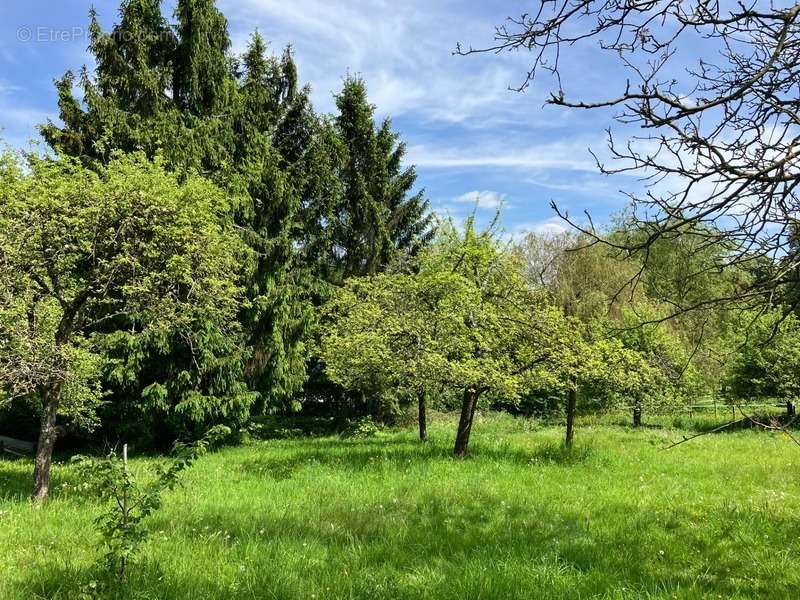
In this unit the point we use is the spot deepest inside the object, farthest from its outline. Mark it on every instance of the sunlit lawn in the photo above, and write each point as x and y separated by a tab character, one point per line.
388	517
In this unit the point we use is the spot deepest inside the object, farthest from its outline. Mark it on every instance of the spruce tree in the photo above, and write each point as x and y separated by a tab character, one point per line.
314	199
379	218
201	67
182	96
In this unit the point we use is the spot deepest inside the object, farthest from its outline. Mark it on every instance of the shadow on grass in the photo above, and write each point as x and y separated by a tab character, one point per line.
16	479
355	455
271	427
558	453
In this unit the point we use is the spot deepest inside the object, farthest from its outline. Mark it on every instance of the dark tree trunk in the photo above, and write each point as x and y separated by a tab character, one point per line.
572	401
47	440
637	417
465	422
423	416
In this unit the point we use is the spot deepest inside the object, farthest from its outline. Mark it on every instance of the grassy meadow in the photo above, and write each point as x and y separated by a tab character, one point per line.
389	517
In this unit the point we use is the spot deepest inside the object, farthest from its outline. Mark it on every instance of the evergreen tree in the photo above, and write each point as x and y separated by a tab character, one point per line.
270	113
182	96
314	200
377	218
133	60
201	67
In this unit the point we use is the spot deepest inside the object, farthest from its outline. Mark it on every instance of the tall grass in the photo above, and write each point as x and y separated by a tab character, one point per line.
389	517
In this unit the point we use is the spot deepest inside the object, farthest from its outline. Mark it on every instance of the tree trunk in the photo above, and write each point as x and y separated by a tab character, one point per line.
572	401
465	422
47	440
423	417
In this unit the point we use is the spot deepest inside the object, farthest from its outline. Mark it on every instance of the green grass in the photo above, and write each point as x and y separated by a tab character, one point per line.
388	517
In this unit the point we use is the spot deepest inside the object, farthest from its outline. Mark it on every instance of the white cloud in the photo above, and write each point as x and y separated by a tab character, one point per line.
551	226
484	199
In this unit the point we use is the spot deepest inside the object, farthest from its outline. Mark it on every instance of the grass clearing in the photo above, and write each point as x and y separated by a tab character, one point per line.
388	517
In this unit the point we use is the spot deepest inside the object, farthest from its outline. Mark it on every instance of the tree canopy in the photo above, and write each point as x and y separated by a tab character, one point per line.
126	253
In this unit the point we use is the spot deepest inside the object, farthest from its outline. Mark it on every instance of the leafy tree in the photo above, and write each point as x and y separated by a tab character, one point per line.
464	319
389	334
127	250
504	329
766	362
613	355
601	366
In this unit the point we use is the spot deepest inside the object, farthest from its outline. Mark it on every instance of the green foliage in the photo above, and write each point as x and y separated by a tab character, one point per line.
29	357
131	502
685	274
181	96
304	192
463	319
659	313
381	220
127	245
86	254
766	362
377	341
365	427
499	328
466	318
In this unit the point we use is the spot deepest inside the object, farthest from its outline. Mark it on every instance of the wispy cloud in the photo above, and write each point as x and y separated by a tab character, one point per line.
403	49
465	129
6	87
571	155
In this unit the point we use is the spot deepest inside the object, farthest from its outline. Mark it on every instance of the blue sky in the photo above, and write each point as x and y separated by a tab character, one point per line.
470	137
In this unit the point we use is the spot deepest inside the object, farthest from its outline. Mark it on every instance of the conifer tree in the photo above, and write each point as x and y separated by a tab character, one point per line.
182	96
201	75
378	217
314	200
